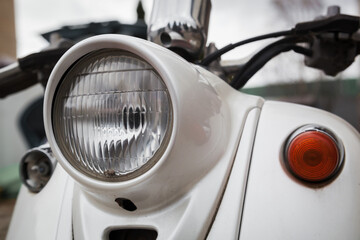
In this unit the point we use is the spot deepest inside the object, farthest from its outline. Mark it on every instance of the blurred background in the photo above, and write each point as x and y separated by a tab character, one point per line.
285	78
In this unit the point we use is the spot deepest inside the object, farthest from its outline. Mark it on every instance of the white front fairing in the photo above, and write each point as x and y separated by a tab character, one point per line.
179	196
220	176
254	198
188	217
46	215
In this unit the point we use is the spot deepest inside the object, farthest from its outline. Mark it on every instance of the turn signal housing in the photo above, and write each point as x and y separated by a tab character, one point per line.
313	154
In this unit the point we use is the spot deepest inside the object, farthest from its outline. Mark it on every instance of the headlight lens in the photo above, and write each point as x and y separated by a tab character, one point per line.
112	115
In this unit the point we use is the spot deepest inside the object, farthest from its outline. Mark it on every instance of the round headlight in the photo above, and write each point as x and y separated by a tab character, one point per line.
112	115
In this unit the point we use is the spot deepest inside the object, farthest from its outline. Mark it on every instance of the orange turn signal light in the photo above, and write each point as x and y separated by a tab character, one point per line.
313	154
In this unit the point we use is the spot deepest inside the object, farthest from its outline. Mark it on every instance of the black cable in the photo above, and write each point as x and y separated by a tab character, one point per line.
213	56
263	56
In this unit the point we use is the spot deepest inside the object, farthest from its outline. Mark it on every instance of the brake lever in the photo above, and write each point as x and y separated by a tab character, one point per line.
332	22
32	69
334	41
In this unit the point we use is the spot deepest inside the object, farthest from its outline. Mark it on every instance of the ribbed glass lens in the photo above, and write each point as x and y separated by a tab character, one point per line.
111	115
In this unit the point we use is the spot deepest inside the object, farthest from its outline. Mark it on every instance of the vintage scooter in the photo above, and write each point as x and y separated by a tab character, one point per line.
145	143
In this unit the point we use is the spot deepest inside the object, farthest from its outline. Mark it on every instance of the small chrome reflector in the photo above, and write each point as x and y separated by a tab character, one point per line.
313	154
36	168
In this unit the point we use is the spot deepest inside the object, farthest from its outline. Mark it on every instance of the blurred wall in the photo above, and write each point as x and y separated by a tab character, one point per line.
12	145
7	29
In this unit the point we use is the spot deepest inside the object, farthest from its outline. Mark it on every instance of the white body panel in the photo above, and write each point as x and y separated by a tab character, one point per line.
45	215
179	196
189	217
276	205
227	220
279	207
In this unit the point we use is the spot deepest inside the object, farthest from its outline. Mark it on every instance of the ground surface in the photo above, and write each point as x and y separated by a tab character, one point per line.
6	209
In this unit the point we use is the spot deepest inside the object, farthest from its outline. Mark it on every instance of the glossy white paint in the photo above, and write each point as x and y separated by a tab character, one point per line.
197	190
180	194
279	207
199	118
47	214
227	220
190	216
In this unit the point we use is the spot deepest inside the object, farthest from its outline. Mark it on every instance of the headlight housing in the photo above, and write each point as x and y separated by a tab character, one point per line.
179	132
112	115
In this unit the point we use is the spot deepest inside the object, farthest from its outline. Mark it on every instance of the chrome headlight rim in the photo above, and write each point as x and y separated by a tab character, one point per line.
123	43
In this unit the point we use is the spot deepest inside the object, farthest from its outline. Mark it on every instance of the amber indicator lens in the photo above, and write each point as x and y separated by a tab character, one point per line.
313	156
